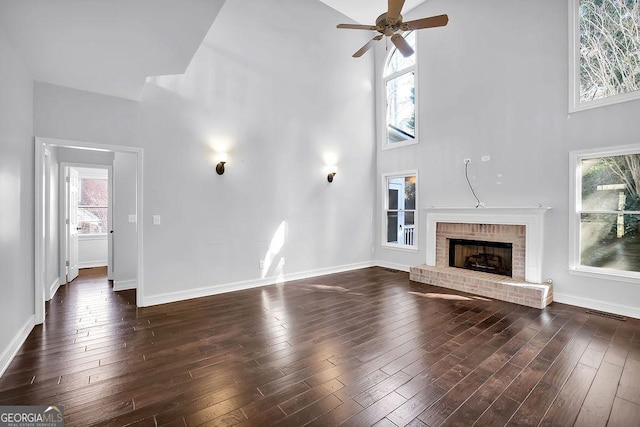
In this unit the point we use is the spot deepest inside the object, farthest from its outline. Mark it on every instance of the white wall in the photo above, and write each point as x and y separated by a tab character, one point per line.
82	116
125	245
279	98
92	251
52	210
494	82
85	157
16	202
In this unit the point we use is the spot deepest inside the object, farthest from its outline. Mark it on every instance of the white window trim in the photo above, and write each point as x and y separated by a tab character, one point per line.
575	200
385	203
574	70
383	106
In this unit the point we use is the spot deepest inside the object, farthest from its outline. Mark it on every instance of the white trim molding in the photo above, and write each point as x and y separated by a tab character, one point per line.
385	207
53	288
531	217
41	143
393	266
575	104
575	211
381	104
170	297
623	310
10	352
124	285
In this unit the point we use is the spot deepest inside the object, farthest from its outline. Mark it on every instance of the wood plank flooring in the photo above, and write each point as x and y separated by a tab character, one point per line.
361	348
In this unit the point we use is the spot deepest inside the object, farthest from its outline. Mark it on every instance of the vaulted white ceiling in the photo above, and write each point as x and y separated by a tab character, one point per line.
366	11
107	47
111	46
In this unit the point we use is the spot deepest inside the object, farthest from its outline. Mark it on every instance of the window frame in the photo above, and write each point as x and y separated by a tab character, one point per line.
575	211
383	90
385	208
575	104
89	236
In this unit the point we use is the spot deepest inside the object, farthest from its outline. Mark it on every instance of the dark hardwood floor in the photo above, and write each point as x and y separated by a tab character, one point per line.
360	348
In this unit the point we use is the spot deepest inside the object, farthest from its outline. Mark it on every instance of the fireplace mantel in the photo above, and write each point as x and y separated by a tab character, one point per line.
531	217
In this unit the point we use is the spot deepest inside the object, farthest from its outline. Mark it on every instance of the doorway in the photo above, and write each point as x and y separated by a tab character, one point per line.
132	225
86	219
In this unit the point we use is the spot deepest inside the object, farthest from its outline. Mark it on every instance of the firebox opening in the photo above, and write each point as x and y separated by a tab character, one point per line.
490	257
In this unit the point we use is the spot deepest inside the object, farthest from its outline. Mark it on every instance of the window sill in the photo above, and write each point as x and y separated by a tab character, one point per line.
395	145
402	248
609	274
92	236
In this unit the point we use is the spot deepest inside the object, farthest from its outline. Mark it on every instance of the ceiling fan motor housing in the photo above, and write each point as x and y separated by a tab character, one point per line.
386	25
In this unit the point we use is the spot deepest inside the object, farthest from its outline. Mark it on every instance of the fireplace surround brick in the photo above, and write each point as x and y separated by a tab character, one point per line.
512	289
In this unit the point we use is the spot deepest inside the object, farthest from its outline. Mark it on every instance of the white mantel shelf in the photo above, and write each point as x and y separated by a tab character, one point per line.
497	210
531	217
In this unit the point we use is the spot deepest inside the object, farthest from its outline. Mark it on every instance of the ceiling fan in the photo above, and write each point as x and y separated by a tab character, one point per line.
390	24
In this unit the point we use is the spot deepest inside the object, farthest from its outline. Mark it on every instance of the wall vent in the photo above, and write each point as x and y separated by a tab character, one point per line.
607	315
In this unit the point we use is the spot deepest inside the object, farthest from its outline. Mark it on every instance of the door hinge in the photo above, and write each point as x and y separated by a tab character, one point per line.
66	263
66	221
67	179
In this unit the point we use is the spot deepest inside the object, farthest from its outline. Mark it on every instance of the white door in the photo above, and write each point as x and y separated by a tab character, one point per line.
72	218
110	222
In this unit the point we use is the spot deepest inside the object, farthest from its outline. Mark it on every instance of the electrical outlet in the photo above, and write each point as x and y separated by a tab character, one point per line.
466	161
261	265
156	220
485	158
132	218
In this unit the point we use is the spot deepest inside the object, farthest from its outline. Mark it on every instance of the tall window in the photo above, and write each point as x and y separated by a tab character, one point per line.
93	203
400	210
400	88
606	218
605	42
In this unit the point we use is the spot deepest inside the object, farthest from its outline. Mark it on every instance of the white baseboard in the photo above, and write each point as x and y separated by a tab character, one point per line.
623	310
392	265
248	284
124	285
92	264
9	353
53	288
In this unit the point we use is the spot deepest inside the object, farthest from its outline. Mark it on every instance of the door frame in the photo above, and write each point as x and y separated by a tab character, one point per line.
41	143
62	225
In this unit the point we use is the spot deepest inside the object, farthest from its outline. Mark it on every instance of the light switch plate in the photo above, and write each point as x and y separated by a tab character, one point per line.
156	220
132	218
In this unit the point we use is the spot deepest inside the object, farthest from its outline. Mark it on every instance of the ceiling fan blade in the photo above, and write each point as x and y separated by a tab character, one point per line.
394	10
357	27
402	45
366	47
432	21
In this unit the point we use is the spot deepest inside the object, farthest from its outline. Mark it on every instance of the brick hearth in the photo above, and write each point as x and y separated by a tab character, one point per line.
485	284
522	227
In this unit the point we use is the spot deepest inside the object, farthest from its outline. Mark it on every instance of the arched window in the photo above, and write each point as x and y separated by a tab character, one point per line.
400	90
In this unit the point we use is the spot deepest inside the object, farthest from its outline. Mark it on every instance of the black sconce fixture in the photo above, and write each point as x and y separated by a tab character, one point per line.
222	159
332	171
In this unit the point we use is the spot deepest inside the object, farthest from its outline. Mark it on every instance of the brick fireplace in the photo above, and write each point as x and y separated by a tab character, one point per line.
499	233
521	228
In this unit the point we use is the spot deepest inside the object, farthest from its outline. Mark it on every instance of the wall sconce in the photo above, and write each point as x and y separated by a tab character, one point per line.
332	171
222	159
